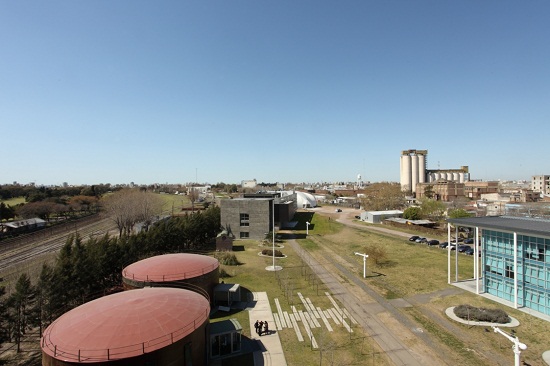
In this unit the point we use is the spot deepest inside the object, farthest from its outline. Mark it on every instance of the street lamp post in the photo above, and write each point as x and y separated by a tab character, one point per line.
273	267
517	347
365	256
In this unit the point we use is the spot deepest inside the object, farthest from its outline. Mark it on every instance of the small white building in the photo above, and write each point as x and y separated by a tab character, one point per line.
376	217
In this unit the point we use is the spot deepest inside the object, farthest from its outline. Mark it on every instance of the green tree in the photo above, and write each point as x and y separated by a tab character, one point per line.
412	213
6	212
383	196
4	325
20	304
432	209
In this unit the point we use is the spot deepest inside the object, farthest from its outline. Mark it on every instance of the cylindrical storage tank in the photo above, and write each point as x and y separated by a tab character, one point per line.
422	168
149	326
437	176
414	172
407	182
431	177
193	271
461	177
455	177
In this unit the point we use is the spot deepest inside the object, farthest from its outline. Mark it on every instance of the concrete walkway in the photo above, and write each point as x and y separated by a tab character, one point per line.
271	350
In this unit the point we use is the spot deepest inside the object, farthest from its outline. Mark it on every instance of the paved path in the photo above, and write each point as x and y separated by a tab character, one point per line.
271	350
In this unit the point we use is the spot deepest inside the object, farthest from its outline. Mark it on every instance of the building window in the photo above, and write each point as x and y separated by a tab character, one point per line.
245	219
244	235
509	272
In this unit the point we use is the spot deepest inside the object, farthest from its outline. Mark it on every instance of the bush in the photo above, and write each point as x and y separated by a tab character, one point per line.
468	312
229	259
269	252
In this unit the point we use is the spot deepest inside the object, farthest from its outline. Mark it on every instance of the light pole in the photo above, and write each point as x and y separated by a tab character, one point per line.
517	347
307	228
365	256
273	267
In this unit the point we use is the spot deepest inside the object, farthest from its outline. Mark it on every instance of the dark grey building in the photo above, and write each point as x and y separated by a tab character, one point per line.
253	216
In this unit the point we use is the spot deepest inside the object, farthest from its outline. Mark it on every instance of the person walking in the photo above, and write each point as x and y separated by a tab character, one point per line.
257	327
260	327
266	328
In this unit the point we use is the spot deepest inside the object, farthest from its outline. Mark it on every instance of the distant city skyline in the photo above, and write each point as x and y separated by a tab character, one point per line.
309	91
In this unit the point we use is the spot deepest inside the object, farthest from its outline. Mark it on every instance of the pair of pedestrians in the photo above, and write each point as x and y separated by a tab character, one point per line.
261	327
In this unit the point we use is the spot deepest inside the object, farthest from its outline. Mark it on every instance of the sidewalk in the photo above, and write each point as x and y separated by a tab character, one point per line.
271	350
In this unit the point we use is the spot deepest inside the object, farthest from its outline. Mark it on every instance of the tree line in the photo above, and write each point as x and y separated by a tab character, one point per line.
88	269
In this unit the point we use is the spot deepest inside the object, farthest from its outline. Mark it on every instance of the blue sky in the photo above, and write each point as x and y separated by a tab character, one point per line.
288	91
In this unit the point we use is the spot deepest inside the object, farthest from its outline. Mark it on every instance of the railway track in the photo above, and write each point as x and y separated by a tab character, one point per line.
17	253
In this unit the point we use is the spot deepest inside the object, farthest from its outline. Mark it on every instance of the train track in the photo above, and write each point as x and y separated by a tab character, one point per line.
16	253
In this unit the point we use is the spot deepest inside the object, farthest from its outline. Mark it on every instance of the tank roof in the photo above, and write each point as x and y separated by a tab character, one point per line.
125	324
170	267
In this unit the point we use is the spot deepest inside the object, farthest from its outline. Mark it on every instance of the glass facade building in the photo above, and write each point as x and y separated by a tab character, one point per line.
515	259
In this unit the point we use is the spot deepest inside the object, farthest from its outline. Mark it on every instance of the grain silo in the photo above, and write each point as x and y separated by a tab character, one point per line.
149	326
196	272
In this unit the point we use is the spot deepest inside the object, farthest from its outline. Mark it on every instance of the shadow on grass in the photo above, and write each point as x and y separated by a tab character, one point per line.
302	218
238	248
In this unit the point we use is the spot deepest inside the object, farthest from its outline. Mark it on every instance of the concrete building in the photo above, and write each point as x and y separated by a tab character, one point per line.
541	184
254	215
376	217
441	190
474	189
414	170
252	183
515	259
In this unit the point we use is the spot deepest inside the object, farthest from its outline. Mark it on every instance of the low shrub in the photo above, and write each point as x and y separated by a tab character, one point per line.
269	252
468	312
229	259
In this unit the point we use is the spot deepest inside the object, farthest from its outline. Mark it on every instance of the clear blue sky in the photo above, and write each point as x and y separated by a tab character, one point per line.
288	91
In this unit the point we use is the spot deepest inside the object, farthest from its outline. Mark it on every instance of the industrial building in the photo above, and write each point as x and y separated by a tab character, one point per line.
376	217
149	326
414	170
515	259
199	273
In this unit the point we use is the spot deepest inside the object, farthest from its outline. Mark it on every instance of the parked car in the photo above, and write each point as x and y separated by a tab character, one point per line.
462	248
443	245
419	240
423	240
338	210
433	242
413	238
469	251
468	241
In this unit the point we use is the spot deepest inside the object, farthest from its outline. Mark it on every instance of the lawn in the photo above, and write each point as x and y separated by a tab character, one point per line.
412	269
13	201
335	348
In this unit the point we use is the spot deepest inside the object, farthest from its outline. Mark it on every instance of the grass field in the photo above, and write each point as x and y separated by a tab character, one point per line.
14	201
409	271
335	348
